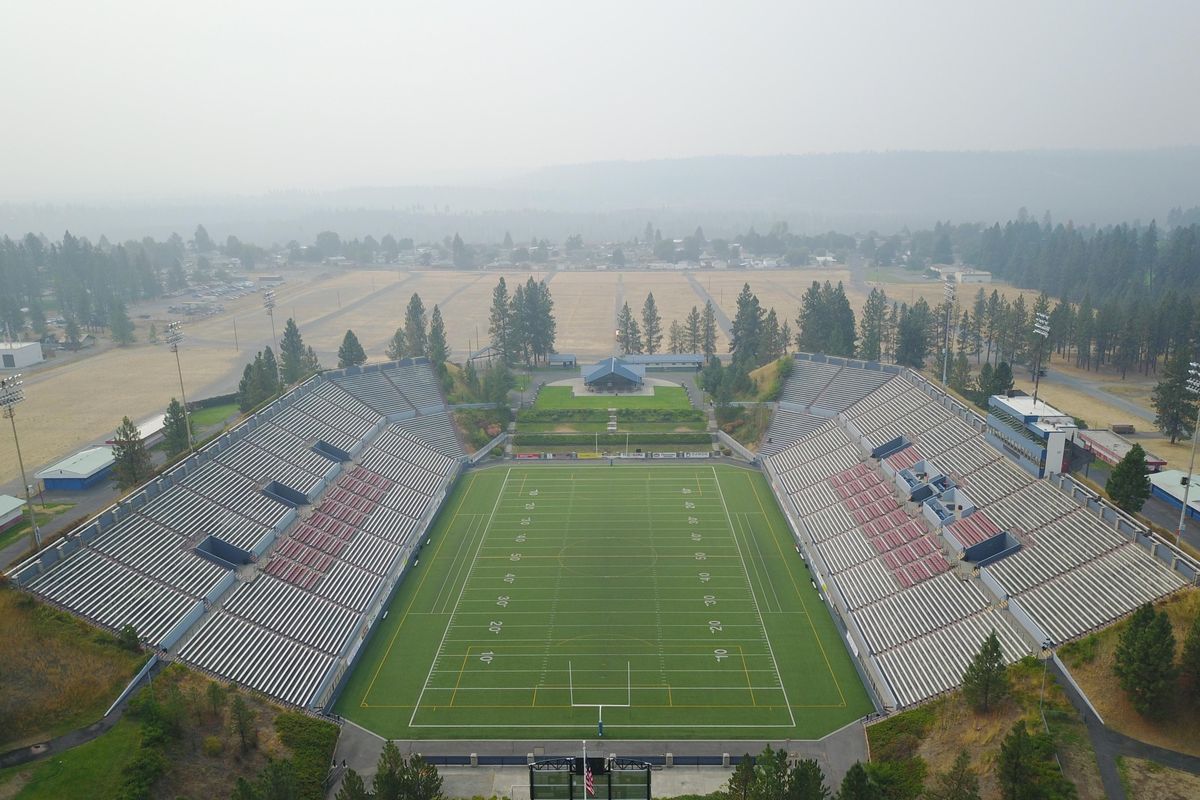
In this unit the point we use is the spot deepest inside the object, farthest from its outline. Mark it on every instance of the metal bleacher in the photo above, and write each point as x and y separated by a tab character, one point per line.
921	619
317	498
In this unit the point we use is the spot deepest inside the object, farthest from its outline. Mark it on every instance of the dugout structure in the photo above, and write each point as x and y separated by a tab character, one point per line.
612	779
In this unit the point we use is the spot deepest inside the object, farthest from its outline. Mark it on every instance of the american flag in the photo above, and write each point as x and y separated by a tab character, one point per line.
588	783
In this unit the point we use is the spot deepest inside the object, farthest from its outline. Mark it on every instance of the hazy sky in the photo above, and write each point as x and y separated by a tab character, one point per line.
108	99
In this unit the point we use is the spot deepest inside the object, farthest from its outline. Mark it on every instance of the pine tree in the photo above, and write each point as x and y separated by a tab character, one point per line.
1017	767
132	465
692	331
120	325
397	346
1174	403
871	326
500	322
291	353
175	432
352	787
309	365
957	783
415	327
912	342
675	337
985	681
629	334
1145	660
242	717
1128	484
351	353
857	785
745	339
1189	661
438	350
708	330
651	325
267	374
1002	379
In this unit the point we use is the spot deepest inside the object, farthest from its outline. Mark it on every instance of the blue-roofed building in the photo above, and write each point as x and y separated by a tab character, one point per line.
614	375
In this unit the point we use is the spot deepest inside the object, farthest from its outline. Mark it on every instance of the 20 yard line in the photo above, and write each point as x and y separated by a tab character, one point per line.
441	644
761	621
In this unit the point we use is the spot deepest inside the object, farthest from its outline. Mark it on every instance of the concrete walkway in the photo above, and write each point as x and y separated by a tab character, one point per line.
359	750
1110	745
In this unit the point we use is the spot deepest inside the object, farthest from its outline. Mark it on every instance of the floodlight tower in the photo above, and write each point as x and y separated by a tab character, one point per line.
949	289
174	337
269	305
11	394
1193	386
1041	328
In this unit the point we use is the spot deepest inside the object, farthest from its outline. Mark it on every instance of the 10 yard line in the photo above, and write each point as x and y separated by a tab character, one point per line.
441	644
761	622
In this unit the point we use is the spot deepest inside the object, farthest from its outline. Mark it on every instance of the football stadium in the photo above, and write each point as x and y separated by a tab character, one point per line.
339	551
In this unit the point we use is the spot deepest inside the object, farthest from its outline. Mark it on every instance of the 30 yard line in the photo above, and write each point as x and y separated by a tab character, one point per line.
761	621
417	705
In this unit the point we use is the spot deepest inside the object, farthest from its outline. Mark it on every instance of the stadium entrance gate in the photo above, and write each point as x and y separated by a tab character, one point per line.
609	779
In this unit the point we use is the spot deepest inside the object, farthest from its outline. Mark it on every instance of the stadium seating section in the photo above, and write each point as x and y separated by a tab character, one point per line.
314	503
903	585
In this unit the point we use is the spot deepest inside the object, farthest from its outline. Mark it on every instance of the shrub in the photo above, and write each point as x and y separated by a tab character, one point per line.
213	746
311	742
128	637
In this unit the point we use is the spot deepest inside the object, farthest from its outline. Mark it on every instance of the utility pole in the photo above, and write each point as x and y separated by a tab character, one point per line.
1041	328
11	393
174	337
1193	386
948	290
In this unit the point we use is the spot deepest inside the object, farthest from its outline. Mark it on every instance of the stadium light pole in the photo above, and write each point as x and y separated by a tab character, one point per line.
949	290
11	394
174	337
1193	386
1041	328
269	305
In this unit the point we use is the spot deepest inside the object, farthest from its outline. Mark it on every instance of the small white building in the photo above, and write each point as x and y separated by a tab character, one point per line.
16	355
10	511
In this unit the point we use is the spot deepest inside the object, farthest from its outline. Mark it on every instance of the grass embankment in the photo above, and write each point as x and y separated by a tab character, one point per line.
213	415
43	513
563	397
56	672
98	765
1091	661
936	732
179	739
1146	780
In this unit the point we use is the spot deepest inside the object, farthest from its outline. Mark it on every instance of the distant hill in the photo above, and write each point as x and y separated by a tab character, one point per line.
725	194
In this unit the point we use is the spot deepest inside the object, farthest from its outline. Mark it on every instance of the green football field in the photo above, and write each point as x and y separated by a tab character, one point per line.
668	600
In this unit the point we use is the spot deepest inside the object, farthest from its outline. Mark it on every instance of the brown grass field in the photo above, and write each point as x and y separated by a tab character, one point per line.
1181	730
58	672
1145	780
62	413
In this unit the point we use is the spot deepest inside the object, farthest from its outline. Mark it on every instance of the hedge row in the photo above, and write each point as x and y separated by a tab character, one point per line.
607	439
601	415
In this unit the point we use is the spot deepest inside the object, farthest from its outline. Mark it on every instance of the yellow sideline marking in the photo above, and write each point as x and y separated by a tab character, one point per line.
415	595
837	684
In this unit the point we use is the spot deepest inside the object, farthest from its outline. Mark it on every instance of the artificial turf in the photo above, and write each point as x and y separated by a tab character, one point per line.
672	596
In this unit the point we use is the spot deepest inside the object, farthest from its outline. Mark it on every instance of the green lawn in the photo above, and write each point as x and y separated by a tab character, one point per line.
93	770
672	596
44	515
563	397
213	415
602	427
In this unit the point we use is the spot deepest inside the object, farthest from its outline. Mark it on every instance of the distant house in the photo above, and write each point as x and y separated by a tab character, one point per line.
614	375
565	360
665	361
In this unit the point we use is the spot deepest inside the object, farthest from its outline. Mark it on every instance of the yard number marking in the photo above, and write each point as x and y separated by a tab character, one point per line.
693	521
710	599
688	504
529	506
520	538
720	654
495	625
705	577
701	556
502	601
487	657
714	626
686	490
533	493
510	578
514	556
696	537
